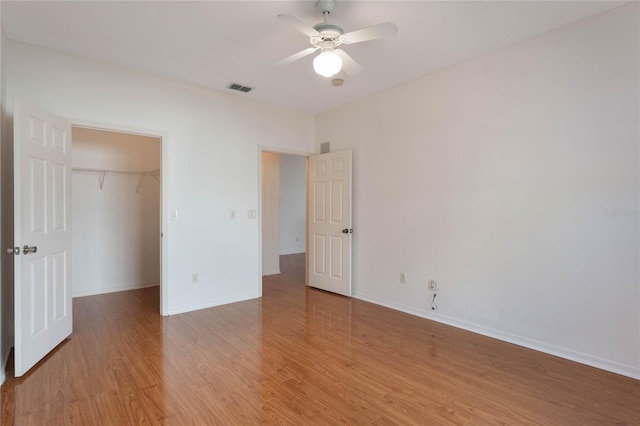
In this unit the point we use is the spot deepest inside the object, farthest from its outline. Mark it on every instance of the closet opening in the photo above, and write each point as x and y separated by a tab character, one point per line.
116	212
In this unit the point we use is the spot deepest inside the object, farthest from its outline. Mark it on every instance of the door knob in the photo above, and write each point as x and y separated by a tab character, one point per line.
26	249
13	250
347	231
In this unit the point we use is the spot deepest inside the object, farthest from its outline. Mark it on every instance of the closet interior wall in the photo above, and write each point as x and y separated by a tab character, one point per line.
293	213
115	211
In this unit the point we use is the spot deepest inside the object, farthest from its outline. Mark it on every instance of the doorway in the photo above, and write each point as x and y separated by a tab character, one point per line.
116	211
284	215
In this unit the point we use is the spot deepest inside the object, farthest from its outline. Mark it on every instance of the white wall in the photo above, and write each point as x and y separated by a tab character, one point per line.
116	229
210	159
293	183
497	177
270	213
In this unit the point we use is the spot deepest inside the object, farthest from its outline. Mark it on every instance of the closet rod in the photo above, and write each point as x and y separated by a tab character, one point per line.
103	172
117	172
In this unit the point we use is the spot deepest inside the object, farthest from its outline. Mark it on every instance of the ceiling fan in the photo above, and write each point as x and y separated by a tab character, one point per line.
327	36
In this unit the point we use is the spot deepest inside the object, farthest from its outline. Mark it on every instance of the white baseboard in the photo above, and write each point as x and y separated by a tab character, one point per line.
113	289
3	364
181	309
582	358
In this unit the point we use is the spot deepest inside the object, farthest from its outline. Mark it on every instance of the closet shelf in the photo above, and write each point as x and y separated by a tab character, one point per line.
103	172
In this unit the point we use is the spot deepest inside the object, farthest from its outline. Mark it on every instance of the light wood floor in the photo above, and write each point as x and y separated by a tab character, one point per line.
300	356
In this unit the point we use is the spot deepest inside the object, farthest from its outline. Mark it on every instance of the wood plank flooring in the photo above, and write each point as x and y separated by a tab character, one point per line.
300	356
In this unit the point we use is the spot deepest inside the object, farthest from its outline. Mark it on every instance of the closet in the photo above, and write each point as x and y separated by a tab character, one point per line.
115	211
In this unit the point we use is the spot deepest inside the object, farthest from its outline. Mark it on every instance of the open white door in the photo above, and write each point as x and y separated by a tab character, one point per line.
42	209
330	222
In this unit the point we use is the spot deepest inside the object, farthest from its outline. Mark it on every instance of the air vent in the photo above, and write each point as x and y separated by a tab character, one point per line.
239	87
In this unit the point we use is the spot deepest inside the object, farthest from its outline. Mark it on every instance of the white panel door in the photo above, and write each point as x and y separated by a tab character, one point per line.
42	209
330	230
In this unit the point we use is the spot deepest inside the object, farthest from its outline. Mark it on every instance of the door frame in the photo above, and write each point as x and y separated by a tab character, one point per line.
282	151
164	149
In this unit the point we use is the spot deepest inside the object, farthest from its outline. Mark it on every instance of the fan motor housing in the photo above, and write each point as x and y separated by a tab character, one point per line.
328	33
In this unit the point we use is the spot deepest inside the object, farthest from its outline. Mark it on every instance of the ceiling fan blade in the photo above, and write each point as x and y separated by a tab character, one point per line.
349	66
386	29
296	56
296	23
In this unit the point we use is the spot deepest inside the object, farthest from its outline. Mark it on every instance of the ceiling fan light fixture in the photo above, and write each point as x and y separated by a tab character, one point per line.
327	63
327	37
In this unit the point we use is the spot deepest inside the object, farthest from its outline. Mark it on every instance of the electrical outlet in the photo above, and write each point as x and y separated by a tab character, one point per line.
232	214
403	278
195	277
433	285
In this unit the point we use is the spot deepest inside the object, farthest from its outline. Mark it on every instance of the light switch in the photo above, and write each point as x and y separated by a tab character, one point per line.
251	214
174	215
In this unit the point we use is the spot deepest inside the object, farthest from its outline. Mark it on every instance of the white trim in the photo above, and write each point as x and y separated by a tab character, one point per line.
164	179
283	151
175	310
117	289
111	127
580	357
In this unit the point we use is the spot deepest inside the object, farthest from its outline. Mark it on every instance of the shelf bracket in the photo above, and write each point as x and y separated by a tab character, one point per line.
102	179
140	182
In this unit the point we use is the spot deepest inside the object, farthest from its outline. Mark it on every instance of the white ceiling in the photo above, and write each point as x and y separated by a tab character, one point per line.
214	43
